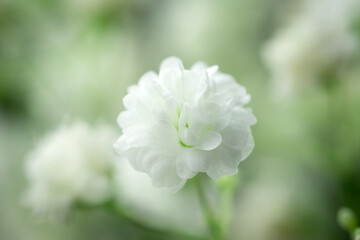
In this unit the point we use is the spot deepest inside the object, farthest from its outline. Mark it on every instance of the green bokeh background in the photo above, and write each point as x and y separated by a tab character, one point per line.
64	59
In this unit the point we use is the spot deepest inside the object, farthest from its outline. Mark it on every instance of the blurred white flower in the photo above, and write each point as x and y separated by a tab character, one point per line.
315	41
182	122
72	165
87	85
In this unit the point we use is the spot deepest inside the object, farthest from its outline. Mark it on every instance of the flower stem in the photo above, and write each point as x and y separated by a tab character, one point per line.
227	187
214	226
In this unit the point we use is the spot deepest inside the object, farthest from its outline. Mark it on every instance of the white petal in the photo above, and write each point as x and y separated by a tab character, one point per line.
164	138
243	116
247	149
210	141
121	144
163	174
130	99
199	66
148	77
171	109
212	70
189	128
140	158
224	161
198	160
171	81
127	119
133	137
182	166
171	62
161	145
227	85
236	137
190	85
143	107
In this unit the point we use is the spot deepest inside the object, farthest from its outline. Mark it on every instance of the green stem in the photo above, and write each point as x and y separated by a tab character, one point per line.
214	226
227	206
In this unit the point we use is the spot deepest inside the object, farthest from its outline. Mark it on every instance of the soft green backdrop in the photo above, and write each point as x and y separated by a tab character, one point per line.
75	59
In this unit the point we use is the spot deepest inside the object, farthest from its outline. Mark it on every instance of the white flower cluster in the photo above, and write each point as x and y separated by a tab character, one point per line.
181	122
70	166
316	40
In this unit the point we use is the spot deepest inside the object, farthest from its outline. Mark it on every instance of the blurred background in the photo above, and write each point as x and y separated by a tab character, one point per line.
298	59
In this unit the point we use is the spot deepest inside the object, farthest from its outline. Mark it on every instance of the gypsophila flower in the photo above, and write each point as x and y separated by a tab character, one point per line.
70	166
181	122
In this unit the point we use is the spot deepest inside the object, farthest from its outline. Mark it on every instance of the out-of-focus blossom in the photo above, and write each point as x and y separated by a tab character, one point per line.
71	165
182	122
313	43
92	79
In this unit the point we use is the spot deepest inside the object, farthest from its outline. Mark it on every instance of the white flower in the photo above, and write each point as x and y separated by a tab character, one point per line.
72	165
182	122
315	41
